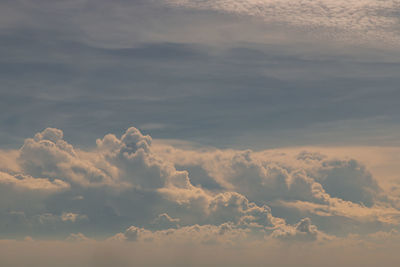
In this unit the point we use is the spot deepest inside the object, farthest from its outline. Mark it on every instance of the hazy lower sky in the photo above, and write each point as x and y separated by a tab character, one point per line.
199	133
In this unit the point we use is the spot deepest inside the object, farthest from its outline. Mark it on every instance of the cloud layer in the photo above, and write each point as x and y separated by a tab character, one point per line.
130	195
343	19
130	189
225	73
181	70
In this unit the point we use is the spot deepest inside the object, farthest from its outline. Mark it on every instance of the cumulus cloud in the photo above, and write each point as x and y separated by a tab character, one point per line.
302	231
263	176
20	182
129	183
22	194
121	181
297	185
226	233
48	155
79	237
230	234
164	221
72	217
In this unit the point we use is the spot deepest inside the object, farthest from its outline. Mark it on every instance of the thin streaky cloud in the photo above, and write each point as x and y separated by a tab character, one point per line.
372	18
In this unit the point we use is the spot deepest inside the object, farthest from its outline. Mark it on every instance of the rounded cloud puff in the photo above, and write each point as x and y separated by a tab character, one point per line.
128	181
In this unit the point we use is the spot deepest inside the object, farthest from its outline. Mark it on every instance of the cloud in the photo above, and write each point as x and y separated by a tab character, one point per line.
72	217
55	188
79	237
297	184
164	221
303	230
270	63
373	18
129	200
22	194
263	176
225	233
21	183
47	154
120	181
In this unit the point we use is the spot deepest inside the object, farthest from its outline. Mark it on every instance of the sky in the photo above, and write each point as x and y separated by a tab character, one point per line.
199	133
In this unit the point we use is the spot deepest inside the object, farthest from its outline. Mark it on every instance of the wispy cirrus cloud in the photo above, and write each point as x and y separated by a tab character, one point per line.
370	18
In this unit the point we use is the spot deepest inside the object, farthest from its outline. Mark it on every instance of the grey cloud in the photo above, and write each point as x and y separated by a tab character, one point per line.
122	181
127	181
329	191
236	208
79	237
225	234
22	197
302	231
290	93
50	156
349	180
164	221
230	74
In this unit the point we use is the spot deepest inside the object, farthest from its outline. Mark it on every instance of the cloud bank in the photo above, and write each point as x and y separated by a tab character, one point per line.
131	192
225	73
130	189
